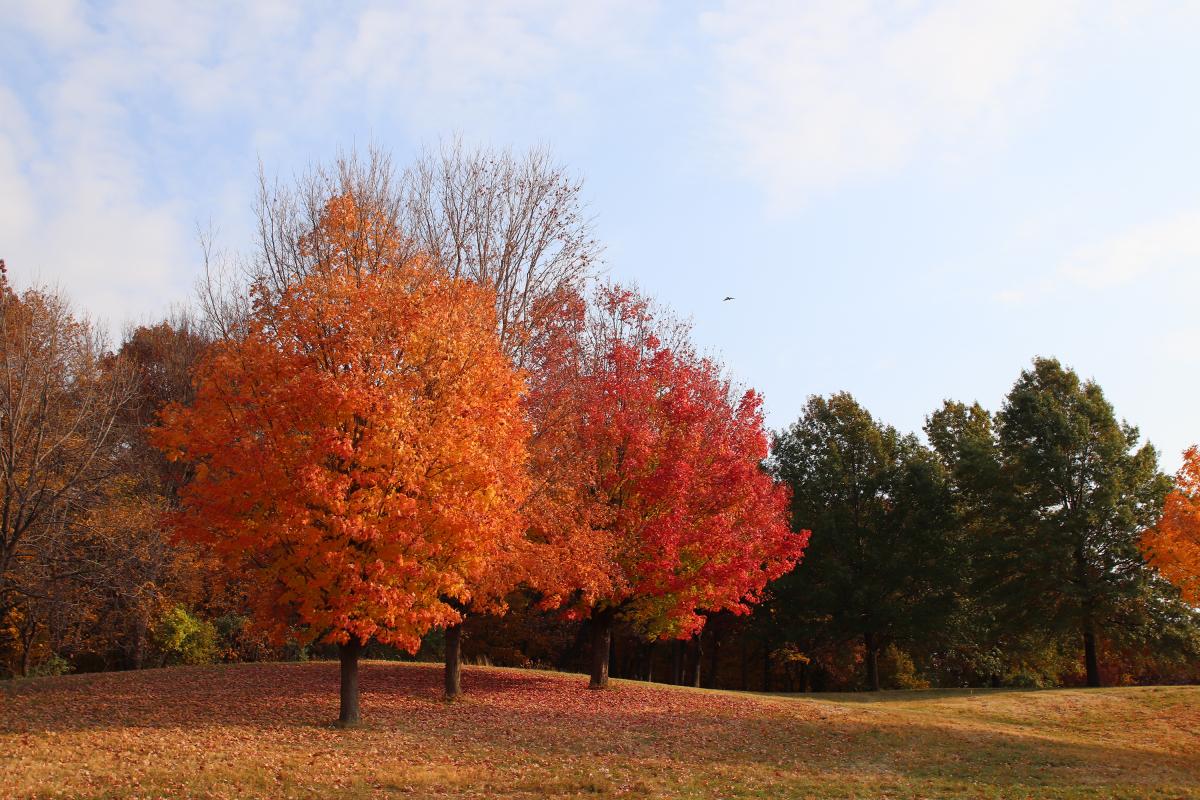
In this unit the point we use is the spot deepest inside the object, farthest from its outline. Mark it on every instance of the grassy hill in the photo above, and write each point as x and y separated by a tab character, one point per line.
261	730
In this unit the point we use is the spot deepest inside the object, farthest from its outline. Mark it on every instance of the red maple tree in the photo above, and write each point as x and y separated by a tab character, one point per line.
664	511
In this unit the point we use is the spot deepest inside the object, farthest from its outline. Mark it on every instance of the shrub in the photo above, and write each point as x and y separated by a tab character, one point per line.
185	639
54	665
897	670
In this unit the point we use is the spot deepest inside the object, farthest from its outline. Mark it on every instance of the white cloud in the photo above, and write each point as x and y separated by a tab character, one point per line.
811	95
1166	250
1156	247
128	114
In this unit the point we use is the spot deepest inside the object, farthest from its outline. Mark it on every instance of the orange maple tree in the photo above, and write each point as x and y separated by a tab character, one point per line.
1173	545
361	450
671	513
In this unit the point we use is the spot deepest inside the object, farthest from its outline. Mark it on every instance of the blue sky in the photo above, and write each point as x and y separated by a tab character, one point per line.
909	200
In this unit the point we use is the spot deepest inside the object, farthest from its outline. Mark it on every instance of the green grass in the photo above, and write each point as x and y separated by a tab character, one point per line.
262	730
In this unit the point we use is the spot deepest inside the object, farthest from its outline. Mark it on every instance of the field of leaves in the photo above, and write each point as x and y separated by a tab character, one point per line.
262	730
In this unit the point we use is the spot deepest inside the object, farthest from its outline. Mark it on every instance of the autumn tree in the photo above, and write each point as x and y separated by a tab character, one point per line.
61	397
150	573
879	567
513	224
677	515
360	451
1173	545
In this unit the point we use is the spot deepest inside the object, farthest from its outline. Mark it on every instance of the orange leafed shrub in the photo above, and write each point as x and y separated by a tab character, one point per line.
360	452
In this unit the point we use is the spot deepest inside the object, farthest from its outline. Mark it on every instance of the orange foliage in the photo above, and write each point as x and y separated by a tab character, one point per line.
1173	545
360	451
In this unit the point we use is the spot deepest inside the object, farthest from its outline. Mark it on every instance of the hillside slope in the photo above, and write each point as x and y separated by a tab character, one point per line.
261	730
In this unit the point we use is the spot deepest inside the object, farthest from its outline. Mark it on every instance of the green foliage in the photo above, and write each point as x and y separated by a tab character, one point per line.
1053	494
185	639
54	665
294	651
1076	494
880	565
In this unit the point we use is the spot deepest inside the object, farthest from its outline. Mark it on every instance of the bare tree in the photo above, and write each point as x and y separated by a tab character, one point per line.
514	223
289	214
222	293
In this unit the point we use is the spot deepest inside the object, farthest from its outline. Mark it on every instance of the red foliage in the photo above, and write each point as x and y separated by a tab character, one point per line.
672	513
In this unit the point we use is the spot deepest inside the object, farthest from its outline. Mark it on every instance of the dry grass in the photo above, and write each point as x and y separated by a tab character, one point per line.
261	731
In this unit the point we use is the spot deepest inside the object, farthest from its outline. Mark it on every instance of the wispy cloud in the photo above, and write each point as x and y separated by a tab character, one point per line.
1157	249
118	123
812	95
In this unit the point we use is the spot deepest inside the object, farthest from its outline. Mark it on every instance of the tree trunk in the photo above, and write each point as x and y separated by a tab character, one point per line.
699	659
454	661
28	637
139	642
872	662
677	662
601	643
1091	657
616	663
348	654
714	652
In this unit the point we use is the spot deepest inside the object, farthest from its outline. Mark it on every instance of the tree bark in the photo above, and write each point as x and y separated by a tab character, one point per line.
26	660
714	652
139	642
872	662
454	661
1091	656
348	654
28	637
699	659
601	644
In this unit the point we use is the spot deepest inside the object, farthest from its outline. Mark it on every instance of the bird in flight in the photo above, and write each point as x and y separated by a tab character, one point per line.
727	299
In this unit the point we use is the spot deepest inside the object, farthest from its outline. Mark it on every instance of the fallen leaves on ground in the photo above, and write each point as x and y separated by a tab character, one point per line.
263	730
